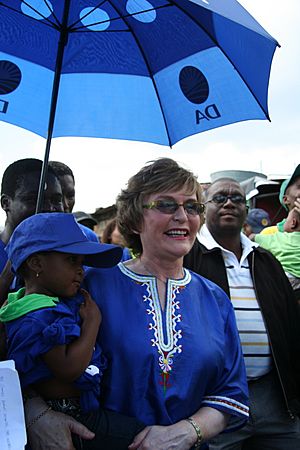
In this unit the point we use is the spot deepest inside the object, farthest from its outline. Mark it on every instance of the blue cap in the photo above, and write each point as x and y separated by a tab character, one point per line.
258	219
286	183
58	232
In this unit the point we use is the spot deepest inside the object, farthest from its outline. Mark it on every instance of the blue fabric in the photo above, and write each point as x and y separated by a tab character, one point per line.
38	332
17	282
126	254
164	365
90	234
3	256
114	61
58	232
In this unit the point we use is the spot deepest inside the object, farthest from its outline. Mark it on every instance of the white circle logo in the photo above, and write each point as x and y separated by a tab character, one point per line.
136	8
95	19
37	9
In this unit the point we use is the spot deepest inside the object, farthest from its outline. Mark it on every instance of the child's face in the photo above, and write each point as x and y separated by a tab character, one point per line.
62	273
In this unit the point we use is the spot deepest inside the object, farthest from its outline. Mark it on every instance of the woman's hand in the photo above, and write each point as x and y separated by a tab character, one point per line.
89	310
179	436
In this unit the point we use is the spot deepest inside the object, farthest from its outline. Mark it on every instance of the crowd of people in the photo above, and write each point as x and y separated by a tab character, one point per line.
179	330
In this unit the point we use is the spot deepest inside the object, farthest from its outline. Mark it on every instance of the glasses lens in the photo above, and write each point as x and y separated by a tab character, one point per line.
219	198
166	206
193	208
237	198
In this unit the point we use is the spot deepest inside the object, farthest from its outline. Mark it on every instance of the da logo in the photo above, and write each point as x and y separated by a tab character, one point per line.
193	84
195	88
10	78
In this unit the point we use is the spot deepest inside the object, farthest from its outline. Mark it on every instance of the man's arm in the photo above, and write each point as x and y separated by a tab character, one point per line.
51	430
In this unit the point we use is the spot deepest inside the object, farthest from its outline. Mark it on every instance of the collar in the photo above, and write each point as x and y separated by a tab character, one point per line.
206	239
19	305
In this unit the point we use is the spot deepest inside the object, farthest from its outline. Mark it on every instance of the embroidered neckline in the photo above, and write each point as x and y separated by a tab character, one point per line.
142	278
171	317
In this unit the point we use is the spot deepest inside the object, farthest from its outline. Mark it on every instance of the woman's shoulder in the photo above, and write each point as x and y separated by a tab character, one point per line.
97	275
209	288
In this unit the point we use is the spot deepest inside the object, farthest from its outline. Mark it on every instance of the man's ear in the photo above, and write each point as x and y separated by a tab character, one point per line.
34	263
5	202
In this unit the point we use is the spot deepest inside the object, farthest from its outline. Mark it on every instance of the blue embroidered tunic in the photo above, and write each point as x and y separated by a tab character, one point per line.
163	365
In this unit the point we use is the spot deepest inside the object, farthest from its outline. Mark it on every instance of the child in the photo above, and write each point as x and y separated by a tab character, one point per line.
52	333
286	246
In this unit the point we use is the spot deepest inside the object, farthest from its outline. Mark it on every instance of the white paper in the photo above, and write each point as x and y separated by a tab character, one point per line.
12	423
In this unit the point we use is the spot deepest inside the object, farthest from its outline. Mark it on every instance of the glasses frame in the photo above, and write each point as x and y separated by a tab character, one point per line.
155	203
228	197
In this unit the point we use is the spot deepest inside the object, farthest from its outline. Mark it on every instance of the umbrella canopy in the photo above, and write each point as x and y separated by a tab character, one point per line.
148	70
145	70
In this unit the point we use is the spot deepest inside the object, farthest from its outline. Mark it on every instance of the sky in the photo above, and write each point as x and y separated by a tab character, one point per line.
102	167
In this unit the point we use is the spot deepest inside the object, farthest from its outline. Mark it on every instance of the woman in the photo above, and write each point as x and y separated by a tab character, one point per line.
170	336
112	235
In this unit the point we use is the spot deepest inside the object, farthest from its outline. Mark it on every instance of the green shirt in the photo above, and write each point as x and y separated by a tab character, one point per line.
285	247
18	305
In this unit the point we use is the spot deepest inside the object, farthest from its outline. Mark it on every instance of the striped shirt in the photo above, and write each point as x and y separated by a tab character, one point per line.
250	323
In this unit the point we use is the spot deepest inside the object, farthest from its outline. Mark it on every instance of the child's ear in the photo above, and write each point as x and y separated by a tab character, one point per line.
34	263
295	223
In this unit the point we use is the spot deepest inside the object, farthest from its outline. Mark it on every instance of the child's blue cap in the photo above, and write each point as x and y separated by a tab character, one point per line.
58	232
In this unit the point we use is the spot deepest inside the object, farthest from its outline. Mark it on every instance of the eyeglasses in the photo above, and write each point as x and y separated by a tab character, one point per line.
170	206
220	199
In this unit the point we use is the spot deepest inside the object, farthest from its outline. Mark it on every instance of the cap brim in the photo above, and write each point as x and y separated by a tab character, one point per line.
295	174
96	254
286	183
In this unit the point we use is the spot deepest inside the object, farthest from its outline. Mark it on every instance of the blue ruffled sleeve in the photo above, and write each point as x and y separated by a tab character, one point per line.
38	332
35	334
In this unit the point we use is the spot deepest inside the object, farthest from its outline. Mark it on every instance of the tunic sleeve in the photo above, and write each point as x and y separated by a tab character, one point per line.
229	393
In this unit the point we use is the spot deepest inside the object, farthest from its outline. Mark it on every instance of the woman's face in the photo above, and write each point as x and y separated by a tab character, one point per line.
116	237
169	236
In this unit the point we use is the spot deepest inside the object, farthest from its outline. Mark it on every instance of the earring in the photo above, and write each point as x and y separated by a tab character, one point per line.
37	274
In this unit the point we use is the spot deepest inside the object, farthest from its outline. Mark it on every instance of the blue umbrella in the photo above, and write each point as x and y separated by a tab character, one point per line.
146	70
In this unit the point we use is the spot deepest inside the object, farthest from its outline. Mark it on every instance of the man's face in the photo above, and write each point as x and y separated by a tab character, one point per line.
68	190
292	192
227	216
23	204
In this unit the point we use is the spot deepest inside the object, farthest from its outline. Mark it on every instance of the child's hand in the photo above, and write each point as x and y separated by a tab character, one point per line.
89	310
297	205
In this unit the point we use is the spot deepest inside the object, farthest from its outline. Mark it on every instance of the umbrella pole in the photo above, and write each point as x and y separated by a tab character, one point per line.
55	88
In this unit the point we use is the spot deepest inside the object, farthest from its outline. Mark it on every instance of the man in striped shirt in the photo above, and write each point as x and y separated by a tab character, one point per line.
267	321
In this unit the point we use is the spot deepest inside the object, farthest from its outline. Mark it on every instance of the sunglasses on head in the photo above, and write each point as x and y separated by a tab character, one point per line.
220	199
191	207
